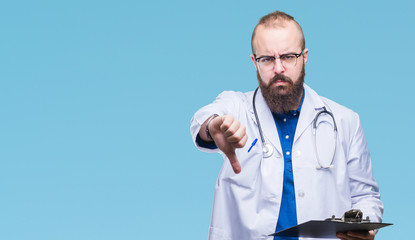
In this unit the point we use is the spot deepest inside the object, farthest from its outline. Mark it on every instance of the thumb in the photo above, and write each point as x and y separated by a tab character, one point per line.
234	161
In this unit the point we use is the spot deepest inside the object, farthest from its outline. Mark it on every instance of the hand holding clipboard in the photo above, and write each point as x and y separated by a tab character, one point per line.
351	221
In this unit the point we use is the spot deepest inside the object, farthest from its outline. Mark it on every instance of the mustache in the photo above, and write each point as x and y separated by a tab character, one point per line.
279	77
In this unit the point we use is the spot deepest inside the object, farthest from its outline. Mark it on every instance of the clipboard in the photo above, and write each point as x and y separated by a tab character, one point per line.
327	229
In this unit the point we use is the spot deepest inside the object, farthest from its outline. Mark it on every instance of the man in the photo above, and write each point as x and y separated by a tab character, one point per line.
261	191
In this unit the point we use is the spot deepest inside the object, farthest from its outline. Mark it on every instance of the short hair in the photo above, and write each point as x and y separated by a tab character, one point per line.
274	19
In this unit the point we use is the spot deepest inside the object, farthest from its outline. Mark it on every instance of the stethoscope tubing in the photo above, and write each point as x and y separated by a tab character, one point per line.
256	117
320	166
268	150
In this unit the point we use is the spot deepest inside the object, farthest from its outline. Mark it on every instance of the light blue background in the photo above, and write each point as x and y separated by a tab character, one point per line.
96	99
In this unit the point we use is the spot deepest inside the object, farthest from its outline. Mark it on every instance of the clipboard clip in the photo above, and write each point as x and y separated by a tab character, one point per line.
353	215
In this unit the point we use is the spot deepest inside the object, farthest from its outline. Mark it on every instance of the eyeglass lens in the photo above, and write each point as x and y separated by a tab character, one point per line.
287	61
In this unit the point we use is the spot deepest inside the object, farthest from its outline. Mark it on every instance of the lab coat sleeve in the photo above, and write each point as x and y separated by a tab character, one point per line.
226	103
363	187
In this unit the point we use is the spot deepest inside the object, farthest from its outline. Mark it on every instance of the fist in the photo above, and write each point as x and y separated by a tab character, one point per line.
228	134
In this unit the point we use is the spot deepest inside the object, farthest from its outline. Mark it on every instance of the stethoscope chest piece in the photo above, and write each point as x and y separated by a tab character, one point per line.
267	150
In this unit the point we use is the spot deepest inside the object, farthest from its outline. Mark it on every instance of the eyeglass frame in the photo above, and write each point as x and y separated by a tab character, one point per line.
279	57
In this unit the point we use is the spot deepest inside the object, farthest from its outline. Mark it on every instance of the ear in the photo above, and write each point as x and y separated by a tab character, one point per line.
253	61
305	54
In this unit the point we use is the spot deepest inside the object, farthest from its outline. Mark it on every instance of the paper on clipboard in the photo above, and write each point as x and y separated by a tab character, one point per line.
327	229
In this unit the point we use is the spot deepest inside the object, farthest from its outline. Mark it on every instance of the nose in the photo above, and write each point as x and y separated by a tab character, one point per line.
278	67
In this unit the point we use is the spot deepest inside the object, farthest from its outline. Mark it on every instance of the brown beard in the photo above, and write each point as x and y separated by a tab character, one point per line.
282	99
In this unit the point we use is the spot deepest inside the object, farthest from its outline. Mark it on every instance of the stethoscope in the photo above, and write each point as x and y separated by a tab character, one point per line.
268	150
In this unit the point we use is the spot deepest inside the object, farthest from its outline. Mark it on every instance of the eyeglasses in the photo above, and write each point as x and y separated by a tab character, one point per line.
267	63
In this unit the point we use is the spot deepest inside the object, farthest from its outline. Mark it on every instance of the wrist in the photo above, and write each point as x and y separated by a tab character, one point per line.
208	135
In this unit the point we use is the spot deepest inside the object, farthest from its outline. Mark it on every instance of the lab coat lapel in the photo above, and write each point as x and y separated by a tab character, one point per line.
311	105
267	122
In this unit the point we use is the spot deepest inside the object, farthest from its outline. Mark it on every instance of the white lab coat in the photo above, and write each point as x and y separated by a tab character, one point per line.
246	205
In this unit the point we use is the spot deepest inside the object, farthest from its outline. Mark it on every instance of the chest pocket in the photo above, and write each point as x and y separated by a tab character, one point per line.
250	165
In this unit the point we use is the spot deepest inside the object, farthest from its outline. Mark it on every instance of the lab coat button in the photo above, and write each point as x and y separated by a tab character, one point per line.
300	193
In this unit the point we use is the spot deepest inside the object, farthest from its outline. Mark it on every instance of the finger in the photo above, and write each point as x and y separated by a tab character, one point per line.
230	126
344	236
241	143
234	161
227	121
341	236
362	235
237	135
354	236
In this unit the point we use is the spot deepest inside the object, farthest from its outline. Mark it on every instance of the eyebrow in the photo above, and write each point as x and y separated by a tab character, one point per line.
289	53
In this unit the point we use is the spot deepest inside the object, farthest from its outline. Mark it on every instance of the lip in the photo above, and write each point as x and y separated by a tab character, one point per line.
280	82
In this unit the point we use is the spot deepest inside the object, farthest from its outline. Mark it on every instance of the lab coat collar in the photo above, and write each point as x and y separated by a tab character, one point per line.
311	106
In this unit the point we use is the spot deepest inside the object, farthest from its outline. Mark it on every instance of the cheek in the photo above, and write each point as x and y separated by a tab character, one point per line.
294	75
265	77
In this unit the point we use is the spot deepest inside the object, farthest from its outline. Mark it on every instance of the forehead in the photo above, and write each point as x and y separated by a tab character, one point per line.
277	39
